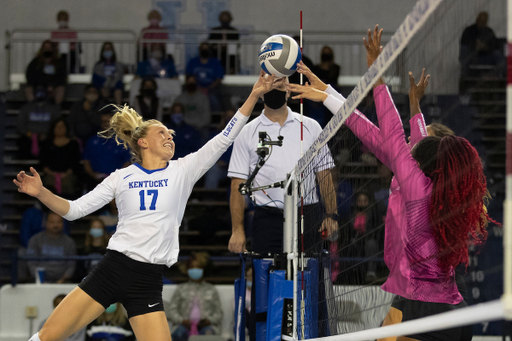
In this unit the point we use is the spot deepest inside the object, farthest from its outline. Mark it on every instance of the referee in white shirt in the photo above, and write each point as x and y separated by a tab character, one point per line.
151	196
277	119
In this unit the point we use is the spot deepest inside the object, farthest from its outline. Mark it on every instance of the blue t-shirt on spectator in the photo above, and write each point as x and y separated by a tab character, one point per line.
187	139
205	74
105	155
165	69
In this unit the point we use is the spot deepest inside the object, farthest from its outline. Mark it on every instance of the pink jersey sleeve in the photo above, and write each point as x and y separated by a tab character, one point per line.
413	182
418	128
358	123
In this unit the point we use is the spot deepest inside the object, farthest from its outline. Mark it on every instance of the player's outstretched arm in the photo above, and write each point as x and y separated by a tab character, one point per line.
33	186
417	91
373	49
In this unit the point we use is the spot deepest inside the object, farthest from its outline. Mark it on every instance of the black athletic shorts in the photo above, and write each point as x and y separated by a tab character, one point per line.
412	310
118	278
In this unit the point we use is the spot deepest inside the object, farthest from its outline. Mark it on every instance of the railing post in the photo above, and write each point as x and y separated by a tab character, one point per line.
14	268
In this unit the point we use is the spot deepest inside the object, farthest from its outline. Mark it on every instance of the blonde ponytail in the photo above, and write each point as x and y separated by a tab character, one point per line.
127	127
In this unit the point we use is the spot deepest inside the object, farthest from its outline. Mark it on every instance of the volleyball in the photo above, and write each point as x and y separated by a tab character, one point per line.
279	55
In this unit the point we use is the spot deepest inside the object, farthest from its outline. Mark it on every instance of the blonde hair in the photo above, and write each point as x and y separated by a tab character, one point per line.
127	127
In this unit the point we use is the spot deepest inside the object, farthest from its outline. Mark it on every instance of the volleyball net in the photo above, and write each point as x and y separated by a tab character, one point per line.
339	276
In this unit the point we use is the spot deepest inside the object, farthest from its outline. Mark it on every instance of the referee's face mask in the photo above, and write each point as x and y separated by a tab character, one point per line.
275	99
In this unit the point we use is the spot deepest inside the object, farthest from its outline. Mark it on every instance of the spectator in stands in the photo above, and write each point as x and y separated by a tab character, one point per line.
52	242
60	159
364	222
34	121
84	116
328	72
186	137
102	157
156	65
112	325
196	105
96	242
195	307
479	46
147	104
225	32
108	74
110	217
47	70
61	37
208	73
79	335
156	32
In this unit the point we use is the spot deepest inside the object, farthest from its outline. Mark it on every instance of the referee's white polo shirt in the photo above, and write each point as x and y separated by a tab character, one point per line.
282	159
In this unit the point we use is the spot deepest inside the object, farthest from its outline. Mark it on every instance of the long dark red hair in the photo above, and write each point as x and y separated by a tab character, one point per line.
457	210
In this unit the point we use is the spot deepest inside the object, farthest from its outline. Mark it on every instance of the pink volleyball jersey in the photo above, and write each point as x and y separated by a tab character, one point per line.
410	250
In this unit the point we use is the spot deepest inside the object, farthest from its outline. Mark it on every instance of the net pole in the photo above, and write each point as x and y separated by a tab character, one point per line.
295	247
507	209
302	302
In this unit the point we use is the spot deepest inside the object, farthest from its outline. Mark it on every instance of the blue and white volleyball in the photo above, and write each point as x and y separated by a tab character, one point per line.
279	55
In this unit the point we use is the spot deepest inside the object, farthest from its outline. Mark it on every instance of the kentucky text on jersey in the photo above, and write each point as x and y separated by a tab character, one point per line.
148	183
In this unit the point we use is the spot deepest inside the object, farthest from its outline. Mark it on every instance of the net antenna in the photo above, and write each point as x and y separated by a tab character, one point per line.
304	307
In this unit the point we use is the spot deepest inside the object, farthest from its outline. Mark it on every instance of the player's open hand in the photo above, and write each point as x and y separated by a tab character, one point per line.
313	79
308	92
237	242
417	91
372	45
265	83
27	184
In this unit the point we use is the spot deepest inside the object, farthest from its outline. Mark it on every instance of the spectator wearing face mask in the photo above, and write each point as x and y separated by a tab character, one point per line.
195	307
112	325
147	104
153	32
77	336
34	121
108	74
196	105
102	157
156	65
47	70
96	242
208	73
84	116
186	137
225	32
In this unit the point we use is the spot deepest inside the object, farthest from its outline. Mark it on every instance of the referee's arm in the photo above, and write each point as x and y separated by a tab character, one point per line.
237	207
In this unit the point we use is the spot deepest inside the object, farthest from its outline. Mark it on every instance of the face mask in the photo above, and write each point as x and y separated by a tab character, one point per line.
195	273
149	92
40	96
177	117
275	99
108	54
225	23
111	308
204	53
191	87
62	23
96	232
249	284
157	54
91	98
47	54
154	22
326	57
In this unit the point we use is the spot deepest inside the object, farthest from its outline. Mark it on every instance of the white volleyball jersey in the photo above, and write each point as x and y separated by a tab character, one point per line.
151	203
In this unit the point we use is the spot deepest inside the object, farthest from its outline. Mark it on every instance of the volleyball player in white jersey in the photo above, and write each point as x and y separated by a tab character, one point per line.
151	196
